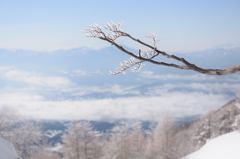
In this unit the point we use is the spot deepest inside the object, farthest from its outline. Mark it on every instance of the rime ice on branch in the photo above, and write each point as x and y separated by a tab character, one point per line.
112	32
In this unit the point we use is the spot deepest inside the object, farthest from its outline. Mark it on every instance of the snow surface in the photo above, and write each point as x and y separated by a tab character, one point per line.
7	150
226	146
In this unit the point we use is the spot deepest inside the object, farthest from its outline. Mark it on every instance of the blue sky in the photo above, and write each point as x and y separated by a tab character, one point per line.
180	25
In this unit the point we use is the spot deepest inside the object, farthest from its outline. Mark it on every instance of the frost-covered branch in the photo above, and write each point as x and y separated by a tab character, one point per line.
112	32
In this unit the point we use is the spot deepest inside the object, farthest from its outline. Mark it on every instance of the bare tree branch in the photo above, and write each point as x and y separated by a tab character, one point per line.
112	32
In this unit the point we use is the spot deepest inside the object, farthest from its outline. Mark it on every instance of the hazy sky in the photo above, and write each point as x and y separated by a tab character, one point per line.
179	24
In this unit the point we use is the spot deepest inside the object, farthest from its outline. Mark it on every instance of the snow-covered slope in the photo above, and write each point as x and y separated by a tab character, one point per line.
222	147
7	150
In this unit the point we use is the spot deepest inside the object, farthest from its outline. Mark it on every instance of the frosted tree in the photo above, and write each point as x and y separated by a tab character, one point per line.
118	145
112	33
26	137
23	134
81	142
7	118
43	153
137	141
126	142
162	145
183	141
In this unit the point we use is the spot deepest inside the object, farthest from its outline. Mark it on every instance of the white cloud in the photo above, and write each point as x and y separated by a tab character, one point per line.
192	82
216	87
192	77
34	79
144	108
161	98
16	96
84	73
114	89
158	76
79	73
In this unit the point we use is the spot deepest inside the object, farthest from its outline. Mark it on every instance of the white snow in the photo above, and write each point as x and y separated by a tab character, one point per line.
226	146
7	150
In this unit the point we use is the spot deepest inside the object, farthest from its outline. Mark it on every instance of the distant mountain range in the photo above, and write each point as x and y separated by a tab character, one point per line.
104	59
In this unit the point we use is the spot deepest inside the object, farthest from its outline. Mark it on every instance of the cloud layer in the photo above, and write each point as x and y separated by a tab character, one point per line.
142	108
32	79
